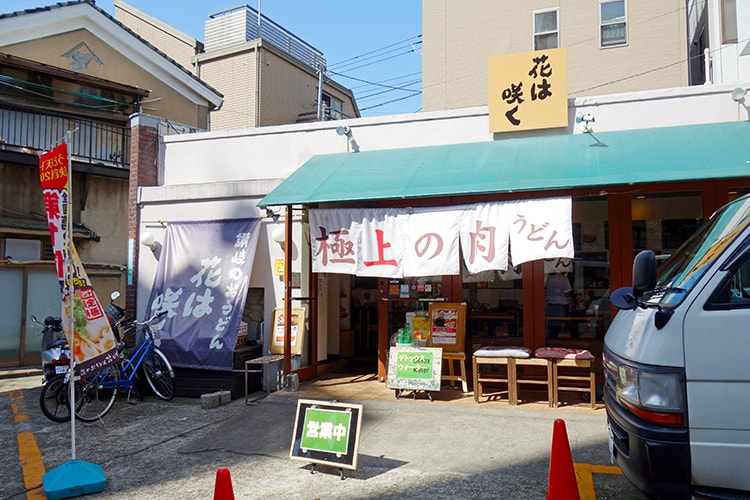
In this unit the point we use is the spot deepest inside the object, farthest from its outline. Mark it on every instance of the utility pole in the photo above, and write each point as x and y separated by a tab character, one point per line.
320	92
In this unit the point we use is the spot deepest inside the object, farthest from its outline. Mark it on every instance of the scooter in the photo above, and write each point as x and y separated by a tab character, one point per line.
115	315
54	352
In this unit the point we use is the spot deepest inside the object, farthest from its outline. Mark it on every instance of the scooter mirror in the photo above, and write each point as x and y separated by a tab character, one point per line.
114	295
33	318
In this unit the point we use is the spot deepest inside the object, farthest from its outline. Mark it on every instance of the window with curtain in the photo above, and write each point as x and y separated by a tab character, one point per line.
546	30
613	23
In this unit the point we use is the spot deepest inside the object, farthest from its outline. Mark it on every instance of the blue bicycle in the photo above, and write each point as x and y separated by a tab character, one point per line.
96	394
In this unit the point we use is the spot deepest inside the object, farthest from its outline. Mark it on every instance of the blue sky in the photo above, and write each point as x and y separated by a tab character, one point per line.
363	42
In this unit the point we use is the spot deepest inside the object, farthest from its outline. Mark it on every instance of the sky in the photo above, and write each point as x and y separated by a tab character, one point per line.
372	48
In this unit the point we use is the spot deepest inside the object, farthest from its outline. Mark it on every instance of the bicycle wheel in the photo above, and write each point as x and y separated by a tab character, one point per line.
159	374
94	401
54	399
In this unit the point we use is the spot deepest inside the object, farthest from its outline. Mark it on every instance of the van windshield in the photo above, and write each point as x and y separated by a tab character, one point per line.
680	273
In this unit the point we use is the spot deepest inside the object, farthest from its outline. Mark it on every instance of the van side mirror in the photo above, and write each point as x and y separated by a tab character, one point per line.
623	299
644	273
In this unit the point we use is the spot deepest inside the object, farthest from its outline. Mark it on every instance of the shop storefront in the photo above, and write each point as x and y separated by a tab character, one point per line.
629	190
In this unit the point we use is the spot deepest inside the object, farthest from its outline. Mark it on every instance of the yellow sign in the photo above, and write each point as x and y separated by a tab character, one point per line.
279	267
528	90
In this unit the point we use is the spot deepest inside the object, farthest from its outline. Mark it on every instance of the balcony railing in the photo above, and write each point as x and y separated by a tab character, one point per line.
92	141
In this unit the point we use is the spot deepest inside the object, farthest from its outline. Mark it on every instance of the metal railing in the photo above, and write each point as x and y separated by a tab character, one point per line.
270	31
92	141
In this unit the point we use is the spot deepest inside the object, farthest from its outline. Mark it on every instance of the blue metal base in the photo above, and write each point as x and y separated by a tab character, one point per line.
73	479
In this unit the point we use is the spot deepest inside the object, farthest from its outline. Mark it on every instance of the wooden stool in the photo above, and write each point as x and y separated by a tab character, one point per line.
503	356
577	371
523	379
450	357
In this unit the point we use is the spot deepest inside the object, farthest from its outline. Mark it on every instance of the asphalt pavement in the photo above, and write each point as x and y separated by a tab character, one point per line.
409	447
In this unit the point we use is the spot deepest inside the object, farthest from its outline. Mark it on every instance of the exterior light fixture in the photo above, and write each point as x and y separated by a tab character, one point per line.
149	240
278	235
738	95
586	119
351	143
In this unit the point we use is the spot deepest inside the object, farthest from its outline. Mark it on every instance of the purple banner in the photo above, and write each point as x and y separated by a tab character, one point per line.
202	279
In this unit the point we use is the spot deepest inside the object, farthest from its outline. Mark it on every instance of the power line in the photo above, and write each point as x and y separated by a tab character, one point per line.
392	101
367	82
355	59
367	96
387	80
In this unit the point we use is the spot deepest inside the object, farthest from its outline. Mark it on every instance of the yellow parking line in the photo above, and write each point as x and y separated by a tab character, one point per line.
29	454
585	477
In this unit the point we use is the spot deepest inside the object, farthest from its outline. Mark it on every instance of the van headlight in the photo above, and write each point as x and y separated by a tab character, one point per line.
656	395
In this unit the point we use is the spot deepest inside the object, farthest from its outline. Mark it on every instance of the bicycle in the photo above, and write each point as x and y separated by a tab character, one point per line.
96	395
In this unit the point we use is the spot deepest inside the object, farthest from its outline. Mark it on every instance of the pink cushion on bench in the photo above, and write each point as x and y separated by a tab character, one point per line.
562	353
503	352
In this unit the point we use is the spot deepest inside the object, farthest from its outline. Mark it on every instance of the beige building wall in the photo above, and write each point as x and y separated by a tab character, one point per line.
176	44
109	64
288	89
458	37
233	73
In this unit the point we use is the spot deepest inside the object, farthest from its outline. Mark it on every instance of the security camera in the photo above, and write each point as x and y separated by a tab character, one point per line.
586	118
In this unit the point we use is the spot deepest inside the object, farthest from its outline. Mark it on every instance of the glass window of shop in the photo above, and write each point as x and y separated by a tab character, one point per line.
409	301
576	291
495	305
663	221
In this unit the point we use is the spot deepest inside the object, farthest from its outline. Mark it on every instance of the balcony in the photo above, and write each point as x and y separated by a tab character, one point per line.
30	131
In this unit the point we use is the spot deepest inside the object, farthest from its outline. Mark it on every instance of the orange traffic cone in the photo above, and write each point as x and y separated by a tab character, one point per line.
223	489
562	483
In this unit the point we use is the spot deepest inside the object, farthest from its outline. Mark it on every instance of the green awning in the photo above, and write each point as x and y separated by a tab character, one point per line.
695	152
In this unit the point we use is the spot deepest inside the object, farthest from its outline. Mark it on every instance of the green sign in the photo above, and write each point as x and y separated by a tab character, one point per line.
326	430
414	365
327	433
415	368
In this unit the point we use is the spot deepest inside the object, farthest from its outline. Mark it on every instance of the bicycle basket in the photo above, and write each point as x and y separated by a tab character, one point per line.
128	334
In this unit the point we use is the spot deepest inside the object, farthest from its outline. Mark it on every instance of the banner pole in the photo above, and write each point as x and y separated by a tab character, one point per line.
75	477
69	277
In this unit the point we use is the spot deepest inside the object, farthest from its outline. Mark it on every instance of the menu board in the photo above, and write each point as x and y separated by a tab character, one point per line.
415	368
448	326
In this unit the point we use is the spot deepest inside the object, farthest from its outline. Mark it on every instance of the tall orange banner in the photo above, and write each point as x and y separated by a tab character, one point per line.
94	344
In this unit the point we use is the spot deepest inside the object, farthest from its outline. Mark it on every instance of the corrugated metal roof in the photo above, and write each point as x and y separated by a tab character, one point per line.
707	151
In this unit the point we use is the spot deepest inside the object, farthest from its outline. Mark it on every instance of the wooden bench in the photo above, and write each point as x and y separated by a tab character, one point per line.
511	358
519	377
576	373
572	370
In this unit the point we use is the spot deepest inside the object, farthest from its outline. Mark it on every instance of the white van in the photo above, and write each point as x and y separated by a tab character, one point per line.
677	365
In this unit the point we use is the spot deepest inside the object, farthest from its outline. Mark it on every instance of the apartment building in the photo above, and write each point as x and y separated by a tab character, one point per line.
267	75
613	46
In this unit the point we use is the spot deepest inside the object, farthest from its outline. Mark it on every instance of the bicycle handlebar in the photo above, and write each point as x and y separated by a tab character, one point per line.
150	320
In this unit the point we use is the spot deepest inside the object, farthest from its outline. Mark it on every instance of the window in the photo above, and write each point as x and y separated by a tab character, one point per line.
333	108
612	23
728	21
546	30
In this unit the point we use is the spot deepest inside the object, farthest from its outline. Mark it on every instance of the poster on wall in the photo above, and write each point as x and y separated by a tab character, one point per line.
297	331
448	325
